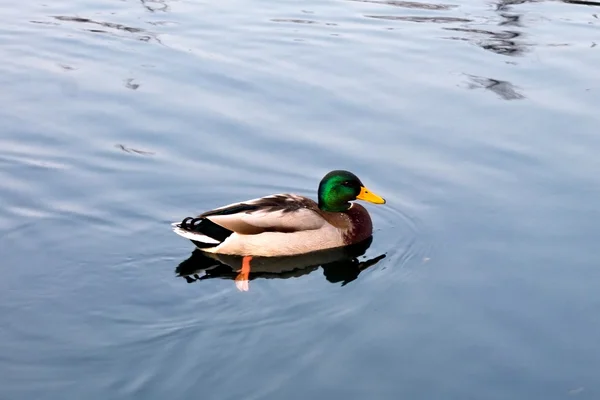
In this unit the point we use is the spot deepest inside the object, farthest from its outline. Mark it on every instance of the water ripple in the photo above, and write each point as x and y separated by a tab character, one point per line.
139	33
437	20
503	89
410	4
108	137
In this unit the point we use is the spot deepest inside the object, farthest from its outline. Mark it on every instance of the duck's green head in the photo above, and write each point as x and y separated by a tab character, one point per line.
338	188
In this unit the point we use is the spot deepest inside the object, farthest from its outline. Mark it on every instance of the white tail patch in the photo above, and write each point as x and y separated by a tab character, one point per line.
198	237
242	285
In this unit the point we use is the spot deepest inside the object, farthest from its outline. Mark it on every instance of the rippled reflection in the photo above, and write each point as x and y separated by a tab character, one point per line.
130	84
294	20
504	89
583	2
155	5
410	4
439	20
339	265
132	150
505	42
140	34
66	67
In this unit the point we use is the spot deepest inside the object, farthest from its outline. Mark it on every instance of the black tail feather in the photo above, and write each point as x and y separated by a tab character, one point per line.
205	227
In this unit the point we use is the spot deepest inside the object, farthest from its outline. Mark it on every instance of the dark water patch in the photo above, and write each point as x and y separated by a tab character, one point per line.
106	24
410	4
67	67
156	5
302	21
506	5
132	150
505	90
130	84
162	23
294	20
583	2
140	34
437	20
511	20
505	43
45	23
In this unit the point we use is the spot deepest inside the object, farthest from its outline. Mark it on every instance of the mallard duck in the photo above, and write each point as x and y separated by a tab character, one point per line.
286	224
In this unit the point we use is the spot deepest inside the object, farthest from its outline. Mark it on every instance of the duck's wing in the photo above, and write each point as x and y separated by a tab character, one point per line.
276	213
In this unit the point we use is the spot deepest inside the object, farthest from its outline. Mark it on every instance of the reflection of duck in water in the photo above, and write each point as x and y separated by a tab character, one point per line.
285	224
339	265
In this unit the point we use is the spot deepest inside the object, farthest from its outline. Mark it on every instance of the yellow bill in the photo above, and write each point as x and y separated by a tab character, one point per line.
370	197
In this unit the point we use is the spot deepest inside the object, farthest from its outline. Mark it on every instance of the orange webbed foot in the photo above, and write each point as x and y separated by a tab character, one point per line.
241	280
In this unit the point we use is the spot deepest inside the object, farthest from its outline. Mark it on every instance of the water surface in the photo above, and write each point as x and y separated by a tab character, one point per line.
476	121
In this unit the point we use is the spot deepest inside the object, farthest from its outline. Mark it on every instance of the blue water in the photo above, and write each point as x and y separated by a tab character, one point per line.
477	121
